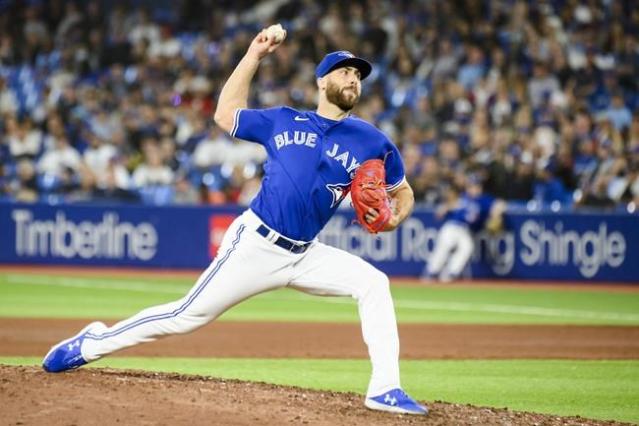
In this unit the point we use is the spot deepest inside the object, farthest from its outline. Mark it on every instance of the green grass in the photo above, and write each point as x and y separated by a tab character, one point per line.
594	389
40	295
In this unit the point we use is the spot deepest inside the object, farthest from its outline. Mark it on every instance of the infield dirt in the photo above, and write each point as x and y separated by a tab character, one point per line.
33	337
28	396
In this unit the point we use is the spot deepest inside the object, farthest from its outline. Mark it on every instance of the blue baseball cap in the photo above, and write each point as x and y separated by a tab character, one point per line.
342	58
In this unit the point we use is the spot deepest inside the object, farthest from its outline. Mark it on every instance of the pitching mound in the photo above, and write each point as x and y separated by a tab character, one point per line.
112	397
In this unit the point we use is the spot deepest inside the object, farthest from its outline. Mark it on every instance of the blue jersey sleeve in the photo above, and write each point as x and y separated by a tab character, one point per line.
394	166
255	125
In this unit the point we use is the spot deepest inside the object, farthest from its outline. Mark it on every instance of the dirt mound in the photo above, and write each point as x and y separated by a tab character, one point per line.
102	397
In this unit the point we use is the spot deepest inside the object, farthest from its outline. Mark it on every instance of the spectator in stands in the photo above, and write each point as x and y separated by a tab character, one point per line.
35	32
473	68
618	113
213	150
8	101
23	139
550	189
509	87
153	171
542	85
596	195
61	161
102	161
24	187
185	193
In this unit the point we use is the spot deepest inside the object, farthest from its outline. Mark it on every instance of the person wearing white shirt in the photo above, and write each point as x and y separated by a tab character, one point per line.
62	156
23	141
153	171
101	159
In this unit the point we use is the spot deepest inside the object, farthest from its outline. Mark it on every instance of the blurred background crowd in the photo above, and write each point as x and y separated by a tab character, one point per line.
113	100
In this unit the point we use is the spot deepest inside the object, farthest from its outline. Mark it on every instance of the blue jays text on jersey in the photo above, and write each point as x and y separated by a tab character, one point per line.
311	162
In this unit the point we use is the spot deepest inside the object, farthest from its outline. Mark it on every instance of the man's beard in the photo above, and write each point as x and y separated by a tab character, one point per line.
336	96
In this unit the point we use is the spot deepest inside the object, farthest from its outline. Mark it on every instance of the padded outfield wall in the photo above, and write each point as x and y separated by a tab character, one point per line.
540	245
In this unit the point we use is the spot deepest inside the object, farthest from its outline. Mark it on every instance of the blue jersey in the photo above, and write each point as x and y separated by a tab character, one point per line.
471	211
311	163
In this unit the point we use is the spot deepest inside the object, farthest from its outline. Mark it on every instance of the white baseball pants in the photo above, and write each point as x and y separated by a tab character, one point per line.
248	264
453	248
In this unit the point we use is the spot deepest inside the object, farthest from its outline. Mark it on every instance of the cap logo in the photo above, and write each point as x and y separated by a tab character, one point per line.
345	58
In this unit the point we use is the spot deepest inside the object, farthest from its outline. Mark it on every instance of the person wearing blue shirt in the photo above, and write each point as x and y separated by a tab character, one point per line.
312	158
463	214
618	113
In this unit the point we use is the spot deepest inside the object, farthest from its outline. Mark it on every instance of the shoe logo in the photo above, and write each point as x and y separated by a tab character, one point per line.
300	118
74	344
390	399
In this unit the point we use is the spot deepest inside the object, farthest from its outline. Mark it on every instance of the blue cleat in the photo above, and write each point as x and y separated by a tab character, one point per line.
395	401
67	355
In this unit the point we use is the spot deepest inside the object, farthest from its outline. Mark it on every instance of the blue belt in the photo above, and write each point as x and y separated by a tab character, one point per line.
285	243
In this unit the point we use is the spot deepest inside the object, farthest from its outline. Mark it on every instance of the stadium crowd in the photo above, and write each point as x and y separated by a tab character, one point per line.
106	101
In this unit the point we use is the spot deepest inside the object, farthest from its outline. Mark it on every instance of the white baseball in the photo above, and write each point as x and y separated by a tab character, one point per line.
276	32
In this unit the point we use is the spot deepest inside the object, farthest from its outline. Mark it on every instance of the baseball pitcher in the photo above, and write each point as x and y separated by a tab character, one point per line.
314	160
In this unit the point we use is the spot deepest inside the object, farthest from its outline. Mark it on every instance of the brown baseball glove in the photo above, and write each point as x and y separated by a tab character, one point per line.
494	225
368	191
